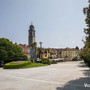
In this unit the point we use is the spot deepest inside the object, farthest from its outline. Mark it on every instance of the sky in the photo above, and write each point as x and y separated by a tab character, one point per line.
58	23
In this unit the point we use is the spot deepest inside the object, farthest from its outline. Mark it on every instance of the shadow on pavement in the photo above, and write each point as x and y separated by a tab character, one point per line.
87	73
82	64
77	84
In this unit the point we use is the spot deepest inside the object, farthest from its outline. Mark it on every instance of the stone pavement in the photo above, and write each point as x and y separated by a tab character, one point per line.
62	76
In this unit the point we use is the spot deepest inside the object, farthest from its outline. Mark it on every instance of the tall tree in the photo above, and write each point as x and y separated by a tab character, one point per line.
40	51
77	47
86	11
33	45
9	51
85	52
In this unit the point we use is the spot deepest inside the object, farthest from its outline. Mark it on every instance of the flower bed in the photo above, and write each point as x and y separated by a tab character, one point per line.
18	62
15	65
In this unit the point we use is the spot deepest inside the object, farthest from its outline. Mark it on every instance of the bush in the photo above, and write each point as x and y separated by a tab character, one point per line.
87	58
15	65
85	55
23	58
10	52
54	62
75	59
45	61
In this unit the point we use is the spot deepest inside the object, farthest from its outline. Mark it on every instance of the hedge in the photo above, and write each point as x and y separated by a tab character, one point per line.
45	61
54	62
15	65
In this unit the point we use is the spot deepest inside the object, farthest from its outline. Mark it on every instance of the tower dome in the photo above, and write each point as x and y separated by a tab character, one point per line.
31	27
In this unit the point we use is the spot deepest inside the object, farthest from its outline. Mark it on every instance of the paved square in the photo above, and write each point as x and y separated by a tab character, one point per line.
62	76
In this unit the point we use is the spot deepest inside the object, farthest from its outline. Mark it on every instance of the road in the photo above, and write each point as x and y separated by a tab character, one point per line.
62	76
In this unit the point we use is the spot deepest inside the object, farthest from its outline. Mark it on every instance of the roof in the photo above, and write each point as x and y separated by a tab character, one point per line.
23	45
71	49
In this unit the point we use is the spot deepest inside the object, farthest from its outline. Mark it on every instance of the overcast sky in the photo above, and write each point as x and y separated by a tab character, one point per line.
58	23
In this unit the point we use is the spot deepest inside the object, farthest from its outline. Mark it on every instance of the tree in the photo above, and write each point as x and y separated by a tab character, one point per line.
48	50
85	53
75	59
9	51
86	11
40	51
33	45
3	55
77	48
51	53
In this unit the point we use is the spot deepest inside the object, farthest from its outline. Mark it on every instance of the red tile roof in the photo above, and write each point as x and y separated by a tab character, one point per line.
23	45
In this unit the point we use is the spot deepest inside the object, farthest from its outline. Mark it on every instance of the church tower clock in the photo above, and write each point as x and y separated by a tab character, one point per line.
31	37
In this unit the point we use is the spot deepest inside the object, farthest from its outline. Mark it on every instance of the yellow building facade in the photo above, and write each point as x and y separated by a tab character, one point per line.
69	54
44	54
47	53
54	55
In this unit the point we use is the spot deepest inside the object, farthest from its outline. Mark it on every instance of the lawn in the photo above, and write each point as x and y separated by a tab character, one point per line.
22	64
34	65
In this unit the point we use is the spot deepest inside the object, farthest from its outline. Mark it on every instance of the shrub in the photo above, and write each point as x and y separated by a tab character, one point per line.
10	52
75	59
87	58
45	61
85	55
23	58
15	65
54	62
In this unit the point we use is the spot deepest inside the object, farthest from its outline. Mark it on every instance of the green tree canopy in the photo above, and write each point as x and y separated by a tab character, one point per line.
85	53
9	51
86	11
77	47
40	51
33	45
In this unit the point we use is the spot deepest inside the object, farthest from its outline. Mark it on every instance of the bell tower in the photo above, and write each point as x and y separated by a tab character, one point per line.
31	36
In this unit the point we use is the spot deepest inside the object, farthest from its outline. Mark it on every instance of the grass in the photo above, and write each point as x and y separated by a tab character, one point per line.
34	65
22	64
16	64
